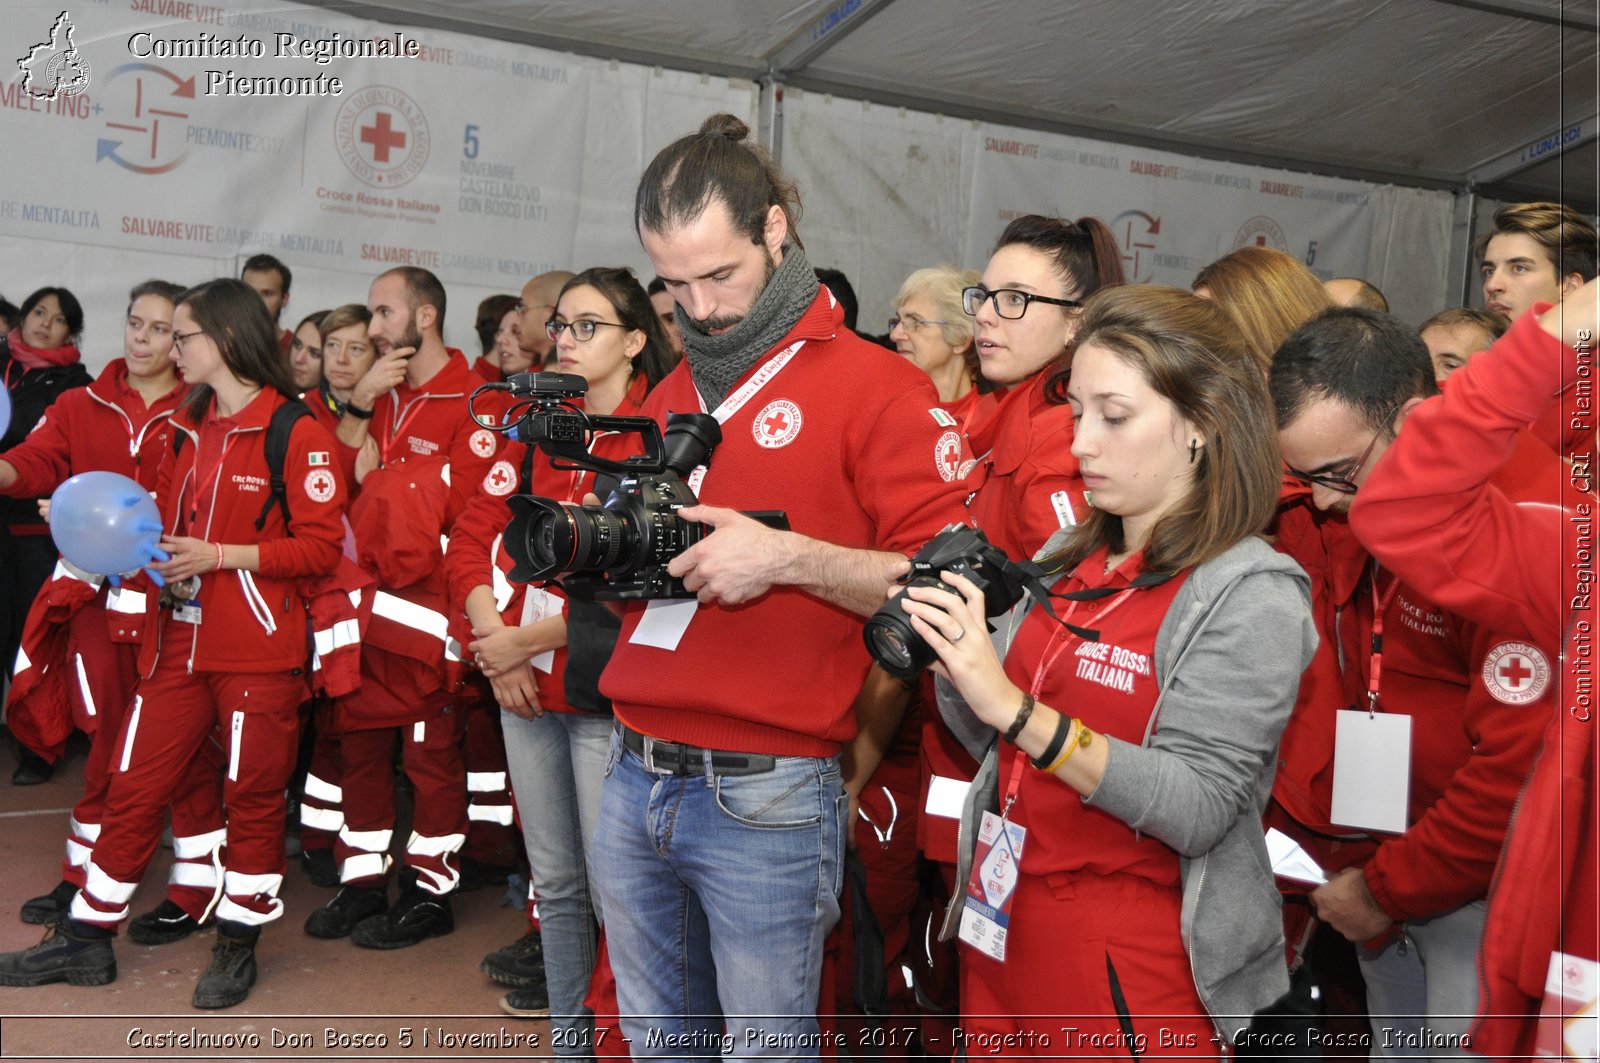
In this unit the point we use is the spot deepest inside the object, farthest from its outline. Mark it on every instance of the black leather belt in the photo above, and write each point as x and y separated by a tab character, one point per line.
675	758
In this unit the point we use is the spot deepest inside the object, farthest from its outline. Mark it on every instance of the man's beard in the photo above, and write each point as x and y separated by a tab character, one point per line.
726	321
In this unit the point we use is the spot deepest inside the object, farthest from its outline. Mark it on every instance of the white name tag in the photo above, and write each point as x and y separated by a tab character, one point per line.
1372	770
539	604
664	622
946	796
1063	507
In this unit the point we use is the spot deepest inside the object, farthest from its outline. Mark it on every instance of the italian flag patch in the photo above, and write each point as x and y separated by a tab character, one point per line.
317	457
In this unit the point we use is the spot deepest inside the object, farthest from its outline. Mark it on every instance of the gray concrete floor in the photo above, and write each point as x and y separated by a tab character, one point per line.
314	999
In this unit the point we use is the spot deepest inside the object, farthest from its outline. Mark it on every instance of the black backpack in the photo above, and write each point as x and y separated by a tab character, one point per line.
278	429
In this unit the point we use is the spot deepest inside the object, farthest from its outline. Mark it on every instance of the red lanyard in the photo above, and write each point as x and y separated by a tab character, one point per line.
1063	638
1380	605
204	480
394	437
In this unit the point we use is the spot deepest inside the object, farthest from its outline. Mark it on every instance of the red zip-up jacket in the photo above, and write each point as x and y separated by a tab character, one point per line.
1027	481
1431	510
250	622
477	557
842	438
105	426
433	460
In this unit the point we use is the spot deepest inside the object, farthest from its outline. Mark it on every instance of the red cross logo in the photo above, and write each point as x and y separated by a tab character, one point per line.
382	136
777	424
947	456
1515	672
501	479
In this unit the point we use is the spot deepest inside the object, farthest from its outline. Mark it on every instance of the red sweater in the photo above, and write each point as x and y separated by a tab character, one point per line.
105	426
1432	510
856	463
1027	478
251	622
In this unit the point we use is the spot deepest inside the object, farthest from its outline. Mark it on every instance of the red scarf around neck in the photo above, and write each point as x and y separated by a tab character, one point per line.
39	357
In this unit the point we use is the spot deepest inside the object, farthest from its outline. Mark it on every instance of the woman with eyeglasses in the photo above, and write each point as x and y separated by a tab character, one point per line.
305	353
225	645
82	635
932	331
1025	313
543	655
1130	739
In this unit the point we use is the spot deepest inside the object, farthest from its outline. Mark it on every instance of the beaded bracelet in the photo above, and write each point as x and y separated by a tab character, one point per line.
219	557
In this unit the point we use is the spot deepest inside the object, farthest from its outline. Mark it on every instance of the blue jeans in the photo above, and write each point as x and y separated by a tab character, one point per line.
1422	989
556	762
719	890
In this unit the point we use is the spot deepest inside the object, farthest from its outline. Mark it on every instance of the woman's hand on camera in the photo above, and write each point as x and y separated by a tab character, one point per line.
955	627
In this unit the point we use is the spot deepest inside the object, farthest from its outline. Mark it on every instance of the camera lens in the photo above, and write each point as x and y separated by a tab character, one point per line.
549	539
898	650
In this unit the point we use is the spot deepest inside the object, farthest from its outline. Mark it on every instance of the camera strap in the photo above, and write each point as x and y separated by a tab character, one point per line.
741	395
1033	581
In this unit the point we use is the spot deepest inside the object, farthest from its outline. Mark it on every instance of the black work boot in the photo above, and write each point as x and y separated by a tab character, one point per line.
71	952
349	906
233	967
416	916
519	965
51	907
162	925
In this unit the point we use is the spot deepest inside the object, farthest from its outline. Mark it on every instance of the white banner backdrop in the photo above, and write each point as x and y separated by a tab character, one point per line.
1171	214
461	154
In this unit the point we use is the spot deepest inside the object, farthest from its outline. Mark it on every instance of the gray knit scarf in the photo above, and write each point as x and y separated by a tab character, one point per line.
716	362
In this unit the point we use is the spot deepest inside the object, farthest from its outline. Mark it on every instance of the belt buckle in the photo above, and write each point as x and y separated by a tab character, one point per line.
647	750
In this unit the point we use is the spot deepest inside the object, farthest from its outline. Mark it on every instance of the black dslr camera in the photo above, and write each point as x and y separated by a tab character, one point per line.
898	649
620	548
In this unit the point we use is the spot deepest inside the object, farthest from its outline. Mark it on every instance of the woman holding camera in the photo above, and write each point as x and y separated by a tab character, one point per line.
557	726
1140	724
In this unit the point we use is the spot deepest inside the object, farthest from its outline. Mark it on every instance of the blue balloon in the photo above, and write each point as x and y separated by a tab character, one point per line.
105	523
5	410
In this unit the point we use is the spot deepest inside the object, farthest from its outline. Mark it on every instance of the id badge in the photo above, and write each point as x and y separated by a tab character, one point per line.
1569	1026
1371	770
986	912
187	611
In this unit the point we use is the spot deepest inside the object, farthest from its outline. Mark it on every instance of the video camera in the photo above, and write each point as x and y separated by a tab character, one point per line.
620	548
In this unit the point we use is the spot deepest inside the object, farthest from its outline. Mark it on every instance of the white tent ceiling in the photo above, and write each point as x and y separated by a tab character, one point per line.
1495	95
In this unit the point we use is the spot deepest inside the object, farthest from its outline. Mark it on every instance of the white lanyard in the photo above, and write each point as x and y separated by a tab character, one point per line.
735	401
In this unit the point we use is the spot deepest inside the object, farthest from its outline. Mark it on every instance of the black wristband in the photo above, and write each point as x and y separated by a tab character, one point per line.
1022	719
357	412
1057	740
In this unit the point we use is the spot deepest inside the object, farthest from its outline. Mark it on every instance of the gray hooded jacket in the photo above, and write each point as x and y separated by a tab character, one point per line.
1228	660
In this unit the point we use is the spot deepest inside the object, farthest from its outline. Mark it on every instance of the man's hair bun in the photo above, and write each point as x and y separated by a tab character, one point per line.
725	125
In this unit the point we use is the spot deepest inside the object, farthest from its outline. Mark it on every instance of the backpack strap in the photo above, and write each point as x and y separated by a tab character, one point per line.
277	452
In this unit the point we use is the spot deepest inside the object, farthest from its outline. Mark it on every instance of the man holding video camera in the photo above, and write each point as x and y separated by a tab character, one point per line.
719	850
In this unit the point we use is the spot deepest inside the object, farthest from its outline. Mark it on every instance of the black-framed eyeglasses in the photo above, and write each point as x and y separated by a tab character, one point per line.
180	337
1009	303
1345	485
911	322
297	344
582	329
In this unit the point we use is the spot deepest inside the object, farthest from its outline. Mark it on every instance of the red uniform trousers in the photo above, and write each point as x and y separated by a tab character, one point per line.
172	717
1053	996
492	837
105	673
395	687
322	797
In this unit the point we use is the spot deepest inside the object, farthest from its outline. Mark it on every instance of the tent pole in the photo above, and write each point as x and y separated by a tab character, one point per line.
1461	237
769	120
